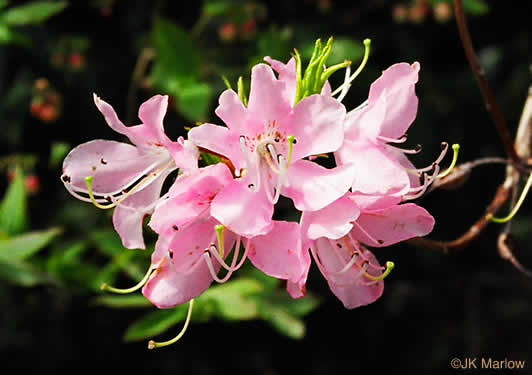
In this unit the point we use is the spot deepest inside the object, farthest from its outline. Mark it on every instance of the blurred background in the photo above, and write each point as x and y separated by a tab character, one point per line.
56	251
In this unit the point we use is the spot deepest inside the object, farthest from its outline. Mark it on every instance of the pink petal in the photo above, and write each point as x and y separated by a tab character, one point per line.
168	288
268	99
219	140
364	124
350	287
376	170
237	117
312	187
374	202
279	253
317	124
287	74
392	225
189	198
113	165
333	221
397	86
243	211
128	216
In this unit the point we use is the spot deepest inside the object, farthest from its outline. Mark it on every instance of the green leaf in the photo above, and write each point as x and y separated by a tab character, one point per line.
284	322
25	245
3	3
194	100
476	7
345	49
123	301
298	307
13	209
155	323
232	299
33	13
20	273
216	8
176	53
58	152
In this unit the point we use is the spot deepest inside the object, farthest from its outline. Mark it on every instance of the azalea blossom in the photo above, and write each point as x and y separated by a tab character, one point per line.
374	131
193	245
267	142
336	235
128	177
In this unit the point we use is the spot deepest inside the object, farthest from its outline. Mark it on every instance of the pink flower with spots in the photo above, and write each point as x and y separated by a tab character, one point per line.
267	142
190	252
336	235
128	177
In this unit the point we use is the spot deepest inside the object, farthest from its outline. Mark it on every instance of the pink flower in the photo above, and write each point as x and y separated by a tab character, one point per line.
373	131
188	242
336	233
127	176
267	143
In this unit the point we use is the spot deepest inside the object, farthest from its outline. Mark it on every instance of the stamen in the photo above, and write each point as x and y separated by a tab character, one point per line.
346	85
283	167
444	149
392	140
140	284
516	207
219	229
380	242
153	344
367	43
423	188
389	267
291	141
253	186
456	148
416	150
317	260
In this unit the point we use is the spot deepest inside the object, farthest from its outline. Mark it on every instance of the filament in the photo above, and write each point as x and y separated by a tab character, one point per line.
516	207
367	43
456	148
153	344
134	288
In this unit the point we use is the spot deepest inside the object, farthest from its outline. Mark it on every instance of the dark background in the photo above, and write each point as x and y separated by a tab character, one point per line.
435	306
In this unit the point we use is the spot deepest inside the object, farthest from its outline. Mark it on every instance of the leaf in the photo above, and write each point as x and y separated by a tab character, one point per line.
20	273
33	13
23	246
155	323
194	100
123	301
298	307
475	7
345	49
3	3
232	299
177	55
58	152
216	8
284	322
13	209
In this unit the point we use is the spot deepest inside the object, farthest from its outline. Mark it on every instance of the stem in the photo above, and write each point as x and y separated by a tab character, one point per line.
489	98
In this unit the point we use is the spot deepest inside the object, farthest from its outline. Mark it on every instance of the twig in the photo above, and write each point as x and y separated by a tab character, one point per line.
146	55
489	98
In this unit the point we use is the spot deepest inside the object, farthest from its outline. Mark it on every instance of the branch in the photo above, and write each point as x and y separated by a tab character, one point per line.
489	98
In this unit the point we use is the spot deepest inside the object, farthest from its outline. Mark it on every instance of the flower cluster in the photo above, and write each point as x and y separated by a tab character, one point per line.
268	147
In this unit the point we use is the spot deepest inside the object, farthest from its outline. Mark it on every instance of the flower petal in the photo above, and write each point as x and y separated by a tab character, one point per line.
219	140
113	165
333	221
243	211
397	86
350	287
377	171
312	187
235	115
317	124
168	288
128	216
268	99
279	253
287	74
392	225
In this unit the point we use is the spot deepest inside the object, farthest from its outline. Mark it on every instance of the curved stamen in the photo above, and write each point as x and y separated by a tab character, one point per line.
134	288
317	260
367	43
392	140
416	150
254	185
283	168
456	148
366	233
153	344
141	185
346	85
389	267
231	268
444	149
271	157
516	207
423	188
